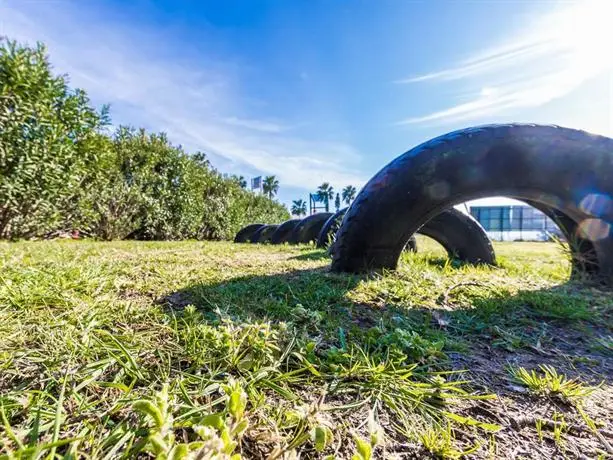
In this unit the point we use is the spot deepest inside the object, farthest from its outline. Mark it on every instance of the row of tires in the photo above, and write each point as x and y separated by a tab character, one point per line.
565	173
460	234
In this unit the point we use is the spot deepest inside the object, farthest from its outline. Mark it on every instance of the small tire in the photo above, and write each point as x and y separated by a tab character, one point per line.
284	231
462	236
327	233
308	228
411	245
263	234
244	234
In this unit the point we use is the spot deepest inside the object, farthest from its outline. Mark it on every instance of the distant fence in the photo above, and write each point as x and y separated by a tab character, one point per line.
515	223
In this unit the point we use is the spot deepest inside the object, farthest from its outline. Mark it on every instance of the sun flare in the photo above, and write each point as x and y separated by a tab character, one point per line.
585	32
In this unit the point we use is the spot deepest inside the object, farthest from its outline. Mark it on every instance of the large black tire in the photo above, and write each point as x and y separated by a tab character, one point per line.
244	234
308	228
569	172
460	234
284	231
264	234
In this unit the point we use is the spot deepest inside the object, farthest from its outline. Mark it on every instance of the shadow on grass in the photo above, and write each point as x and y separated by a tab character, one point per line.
567	326
269	297
318	254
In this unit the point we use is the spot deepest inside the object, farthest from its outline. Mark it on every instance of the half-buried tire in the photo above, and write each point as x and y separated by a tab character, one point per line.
460	234
411	245
327	234
245	233
284	231
263	234
308	228
569	172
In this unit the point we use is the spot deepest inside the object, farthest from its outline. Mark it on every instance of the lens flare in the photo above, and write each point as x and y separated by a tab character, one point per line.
596	204
594	229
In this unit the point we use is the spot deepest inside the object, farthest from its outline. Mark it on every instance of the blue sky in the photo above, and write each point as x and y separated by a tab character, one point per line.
315	91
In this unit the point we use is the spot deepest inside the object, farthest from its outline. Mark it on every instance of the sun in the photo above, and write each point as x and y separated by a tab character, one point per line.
585	32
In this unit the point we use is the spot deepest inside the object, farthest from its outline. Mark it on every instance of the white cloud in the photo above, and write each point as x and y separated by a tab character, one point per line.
558	53
489	62
257	125
195	99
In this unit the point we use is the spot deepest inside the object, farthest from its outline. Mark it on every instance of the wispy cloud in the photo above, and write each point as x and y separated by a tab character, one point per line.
492	62
198	102
555	56
257	125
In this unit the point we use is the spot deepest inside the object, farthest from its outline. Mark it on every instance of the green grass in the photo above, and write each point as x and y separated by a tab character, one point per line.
550	383
180	349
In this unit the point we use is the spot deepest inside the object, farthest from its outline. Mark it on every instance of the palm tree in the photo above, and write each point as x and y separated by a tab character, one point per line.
299	208
349	194
337	202
325	193
270	186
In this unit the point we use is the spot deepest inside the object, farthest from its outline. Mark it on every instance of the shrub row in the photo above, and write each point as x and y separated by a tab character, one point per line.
61	169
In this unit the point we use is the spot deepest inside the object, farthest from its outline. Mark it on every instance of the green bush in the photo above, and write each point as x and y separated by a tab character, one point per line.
48	140
60	171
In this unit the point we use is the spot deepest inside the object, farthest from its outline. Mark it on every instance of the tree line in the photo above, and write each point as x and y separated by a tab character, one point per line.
325	193
62	169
